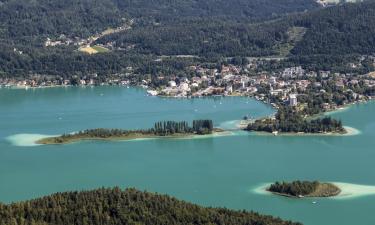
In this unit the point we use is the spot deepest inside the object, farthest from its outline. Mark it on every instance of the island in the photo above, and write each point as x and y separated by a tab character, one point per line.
289	120
160	129
300	189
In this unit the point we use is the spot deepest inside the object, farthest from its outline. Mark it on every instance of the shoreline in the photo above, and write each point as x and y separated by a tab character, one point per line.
349	131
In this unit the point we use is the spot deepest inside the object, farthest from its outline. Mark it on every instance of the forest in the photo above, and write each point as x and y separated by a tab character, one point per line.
212	30
294	188
115	206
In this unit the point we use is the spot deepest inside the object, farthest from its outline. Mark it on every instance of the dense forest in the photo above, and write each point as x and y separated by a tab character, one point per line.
304	189
320	38
343	29
27	18
294	188
116	206
346	29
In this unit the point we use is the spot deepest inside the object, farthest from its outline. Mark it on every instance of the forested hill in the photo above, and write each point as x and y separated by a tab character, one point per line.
83	17
344	29
320	38
169	11
24	18
114	206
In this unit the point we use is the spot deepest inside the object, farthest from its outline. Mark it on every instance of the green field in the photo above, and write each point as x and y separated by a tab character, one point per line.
100	49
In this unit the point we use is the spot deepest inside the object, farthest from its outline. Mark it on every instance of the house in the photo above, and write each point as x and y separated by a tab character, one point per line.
229	88
293	100
172	83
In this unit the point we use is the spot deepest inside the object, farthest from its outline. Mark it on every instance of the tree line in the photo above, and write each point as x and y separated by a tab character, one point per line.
162	128
172	127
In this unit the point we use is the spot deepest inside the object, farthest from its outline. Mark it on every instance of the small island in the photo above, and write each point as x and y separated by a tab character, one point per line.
160	129
289	120
300	189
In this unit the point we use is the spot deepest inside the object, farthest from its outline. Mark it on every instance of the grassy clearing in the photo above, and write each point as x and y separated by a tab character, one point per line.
88	50
100	49
93	50
295	34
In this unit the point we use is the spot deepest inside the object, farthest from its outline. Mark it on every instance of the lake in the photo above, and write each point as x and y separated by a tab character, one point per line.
213	171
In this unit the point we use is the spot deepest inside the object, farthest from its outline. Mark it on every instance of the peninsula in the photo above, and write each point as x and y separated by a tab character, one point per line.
289	120
160	129
300	189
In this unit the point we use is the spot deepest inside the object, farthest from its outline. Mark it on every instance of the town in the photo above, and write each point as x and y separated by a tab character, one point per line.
292	86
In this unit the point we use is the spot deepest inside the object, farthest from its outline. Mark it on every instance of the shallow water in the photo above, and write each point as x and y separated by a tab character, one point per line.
220	171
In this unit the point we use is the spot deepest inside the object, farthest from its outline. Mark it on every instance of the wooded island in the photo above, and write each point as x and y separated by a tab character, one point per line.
160	129
289	120
304	189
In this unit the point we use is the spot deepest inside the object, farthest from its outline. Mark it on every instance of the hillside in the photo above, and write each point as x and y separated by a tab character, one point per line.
321	38
115	206
343	29
24	18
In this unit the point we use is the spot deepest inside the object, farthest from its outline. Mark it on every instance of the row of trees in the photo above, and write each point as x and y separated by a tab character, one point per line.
162	128
294	188
116	206
173	127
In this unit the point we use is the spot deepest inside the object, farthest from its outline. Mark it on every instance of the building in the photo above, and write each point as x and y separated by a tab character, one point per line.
293	100
172	83
229	88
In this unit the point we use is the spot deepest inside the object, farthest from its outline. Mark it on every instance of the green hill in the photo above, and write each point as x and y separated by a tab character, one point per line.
115	206
320	38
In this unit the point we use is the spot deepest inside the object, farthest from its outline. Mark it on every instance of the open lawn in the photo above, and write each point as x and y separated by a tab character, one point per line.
93	50
100	49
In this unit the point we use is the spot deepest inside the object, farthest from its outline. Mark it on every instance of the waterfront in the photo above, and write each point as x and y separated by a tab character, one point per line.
220	171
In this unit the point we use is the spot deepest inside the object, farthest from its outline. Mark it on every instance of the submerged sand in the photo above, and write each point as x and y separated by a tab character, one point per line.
27	140
354	190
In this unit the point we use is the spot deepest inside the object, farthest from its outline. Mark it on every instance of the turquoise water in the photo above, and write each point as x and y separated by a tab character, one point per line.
220	171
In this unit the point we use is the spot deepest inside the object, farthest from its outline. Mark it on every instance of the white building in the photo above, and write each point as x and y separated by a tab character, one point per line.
229	88
293	72
293	100
172	83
